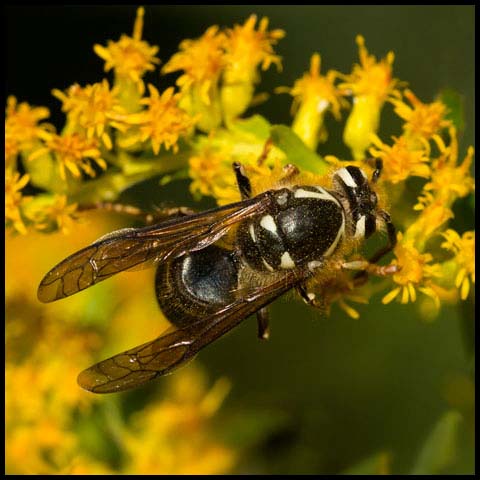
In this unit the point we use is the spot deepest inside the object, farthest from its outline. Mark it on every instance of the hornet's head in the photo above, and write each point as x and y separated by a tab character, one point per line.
353	183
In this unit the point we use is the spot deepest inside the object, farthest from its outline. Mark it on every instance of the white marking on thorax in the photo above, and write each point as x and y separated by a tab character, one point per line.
344	174
268	266
360	227
341	232
252	233
268	223
286	261
322	194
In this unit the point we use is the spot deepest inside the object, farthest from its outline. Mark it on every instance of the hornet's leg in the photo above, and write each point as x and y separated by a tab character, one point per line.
148	218
245	188
307	297
266	150
263	324
392	241
289	171
243	182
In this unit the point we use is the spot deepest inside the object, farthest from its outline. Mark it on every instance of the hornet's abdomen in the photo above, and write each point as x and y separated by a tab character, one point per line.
195	285
307	225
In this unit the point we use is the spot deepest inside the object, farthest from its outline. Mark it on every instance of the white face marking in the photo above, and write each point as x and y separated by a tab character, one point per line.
360	227
344	174
340	233
310	296
268	223
269	267
286	261
252	233
314	264
282	198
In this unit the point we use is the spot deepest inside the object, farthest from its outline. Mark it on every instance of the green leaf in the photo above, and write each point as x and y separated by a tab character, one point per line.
439	450
296	151
255	125
455	104
377	464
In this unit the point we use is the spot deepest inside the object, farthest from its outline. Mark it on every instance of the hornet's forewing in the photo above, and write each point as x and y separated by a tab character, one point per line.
131	247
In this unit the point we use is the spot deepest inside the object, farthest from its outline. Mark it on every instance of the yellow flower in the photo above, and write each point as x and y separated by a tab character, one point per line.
202	61
22	127
205	171
370	83
245	50
52	212
162	122
416	271
14	183
400	161
421	119
314	94
434	214
153	443
73	153
130	57
338	289
371	77
464	249
450	181
90	108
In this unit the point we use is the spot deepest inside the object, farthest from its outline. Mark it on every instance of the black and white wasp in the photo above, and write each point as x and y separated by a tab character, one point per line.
283	238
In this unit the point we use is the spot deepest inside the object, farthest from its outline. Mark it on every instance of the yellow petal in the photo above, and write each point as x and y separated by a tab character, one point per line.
390	296
465	289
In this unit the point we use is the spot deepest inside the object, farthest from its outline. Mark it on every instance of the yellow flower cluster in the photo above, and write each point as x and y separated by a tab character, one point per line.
55	427
220	70
131	57
371	84
446	182
100	119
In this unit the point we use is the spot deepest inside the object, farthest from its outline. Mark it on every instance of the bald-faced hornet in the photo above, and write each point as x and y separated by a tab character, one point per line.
282	239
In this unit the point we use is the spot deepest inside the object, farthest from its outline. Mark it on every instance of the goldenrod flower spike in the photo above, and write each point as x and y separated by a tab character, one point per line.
130	57
314	94
246	49
370	84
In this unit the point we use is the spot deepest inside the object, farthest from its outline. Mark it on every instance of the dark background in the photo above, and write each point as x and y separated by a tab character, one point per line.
347	389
